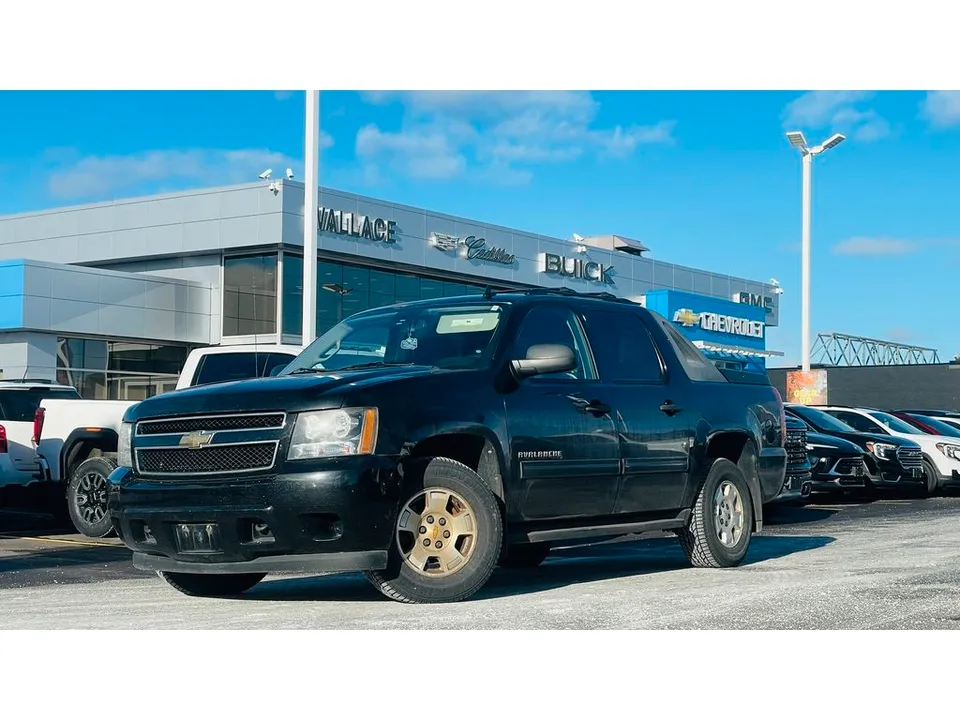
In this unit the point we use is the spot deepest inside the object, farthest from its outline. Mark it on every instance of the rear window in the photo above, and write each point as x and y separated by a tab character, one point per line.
21	405
230	367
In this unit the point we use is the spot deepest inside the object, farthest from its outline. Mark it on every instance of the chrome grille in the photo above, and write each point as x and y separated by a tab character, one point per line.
214	459
796	447
210	423
910	458
209	445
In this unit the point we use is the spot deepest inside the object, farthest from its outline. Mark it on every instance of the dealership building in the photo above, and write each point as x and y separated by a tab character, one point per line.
111	297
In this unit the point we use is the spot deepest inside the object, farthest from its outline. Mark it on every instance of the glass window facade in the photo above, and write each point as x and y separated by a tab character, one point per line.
250	294
105	370
344	289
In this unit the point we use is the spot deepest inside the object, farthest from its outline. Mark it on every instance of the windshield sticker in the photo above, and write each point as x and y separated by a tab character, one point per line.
409	343
463	323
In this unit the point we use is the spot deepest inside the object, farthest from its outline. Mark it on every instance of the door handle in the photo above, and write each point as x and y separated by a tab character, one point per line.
595	407
670	409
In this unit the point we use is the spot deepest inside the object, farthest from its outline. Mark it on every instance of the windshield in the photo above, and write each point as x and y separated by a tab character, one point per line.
939	428
821	420
895	423
449	337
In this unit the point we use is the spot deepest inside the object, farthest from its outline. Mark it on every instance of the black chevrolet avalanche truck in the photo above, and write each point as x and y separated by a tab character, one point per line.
427	442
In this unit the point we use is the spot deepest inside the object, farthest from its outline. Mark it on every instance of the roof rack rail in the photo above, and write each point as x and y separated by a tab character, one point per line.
29	381
569	292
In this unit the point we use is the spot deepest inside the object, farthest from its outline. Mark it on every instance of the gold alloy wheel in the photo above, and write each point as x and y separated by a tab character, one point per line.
729	507
436	532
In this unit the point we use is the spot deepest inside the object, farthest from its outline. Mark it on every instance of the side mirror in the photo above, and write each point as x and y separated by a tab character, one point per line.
545	360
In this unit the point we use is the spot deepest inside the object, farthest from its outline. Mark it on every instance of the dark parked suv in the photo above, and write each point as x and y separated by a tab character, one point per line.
889	461
489	427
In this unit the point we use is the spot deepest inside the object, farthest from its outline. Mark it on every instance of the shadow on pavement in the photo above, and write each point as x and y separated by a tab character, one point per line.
571	566
795	514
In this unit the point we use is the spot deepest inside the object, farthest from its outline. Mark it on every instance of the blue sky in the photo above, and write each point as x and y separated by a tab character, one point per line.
703	178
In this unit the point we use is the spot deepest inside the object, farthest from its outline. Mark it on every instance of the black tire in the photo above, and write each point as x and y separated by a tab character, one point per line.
87	497
524	557
699	540
214	586
932	478
401	582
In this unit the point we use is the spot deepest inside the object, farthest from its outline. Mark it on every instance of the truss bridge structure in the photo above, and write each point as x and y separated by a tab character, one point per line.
839	350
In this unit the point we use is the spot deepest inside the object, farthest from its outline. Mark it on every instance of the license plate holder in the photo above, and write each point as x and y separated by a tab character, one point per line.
198	538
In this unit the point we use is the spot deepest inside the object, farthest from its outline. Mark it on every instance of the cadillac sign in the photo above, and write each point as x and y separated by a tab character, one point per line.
355	225
471	247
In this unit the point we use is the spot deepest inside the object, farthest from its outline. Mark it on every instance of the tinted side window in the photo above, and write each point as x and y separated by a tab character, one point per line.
553	325
21	405
859	422
622	347
224	367
694	362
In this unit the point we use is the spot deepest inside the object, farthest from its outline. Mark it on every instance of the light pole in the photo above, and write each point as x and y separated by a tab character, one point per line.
798	141
311	188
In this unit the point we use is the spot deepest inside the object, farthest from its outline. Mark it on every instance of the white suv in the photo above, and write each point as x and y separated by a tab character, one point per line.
941	454
19	401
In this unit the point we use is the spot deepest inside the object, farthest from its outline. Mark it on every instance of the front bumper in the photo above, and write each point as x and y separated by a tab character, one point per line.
335	516
897	476
796	486
839	473
951	480
772	469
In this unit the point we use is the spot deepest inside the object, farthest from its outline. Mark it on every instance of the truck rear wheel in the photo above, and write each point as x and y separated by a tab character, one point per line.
718	535
447	536
87	497
221	586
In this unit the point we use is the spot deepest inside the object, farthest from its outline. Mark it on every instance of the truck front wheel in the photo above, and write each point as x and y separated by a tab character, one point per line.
718	535
447	536
87	497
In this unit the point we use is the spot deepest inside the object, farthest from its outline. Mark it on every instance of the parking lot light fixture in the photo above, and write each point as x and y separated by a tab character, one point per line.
797	140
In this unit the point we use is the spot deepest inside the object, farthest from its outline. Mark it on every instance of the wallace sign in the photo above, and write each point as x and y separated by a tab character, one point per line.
355	225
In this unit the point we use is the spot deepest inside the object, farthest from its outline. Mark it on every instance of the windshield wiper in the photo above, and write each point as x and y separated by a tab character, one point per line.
373	365
304	370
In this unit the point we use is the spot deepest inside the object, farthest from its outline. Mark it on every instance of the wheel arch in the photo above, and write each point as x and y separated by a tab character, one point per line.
739	447
82	444
476	447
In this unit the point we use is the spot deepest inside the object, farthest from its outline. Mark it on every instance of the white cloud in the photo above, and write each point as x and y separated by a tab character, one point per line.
495	136
874	246
941	108
836	111
95	177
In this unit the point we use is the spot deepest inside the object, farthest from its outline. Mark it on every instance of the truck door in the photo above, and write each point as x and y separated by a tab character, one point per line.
655	431
564	445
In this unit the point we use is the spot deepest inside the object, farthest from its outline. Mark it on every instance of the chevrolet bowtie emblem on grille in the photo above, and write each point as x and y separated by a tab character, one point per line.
197	440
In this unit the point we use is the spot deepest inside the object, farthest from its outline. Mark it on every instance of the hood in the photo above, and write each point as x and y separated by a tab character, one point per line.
834	443
293	393
861	439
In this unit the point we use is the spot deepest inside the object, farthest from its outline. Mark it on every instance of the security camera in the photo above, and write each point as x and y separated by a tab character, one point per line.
289	174
265	174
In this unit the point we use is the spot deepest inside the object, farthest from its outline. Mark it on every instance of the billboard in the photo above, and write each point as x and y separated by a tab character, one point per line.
711	320
807	388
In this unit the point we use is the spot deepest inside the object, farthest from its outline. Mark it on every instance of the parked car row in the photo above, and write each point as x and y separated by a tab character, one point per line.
856	448
57	449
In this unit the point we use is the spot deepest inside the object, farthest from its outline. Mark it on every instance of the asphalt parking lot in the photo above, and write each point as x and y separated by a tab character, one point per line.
883	564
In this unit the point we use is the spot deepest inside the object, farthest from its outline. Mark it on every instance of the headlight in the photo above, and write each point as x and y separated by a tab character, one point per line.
951	451
334	433
882	450
124	455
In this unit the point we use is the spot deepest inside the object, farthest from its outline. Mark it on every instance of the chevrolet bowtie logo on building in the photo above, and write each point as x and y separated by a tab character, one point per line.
686	317
197	440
